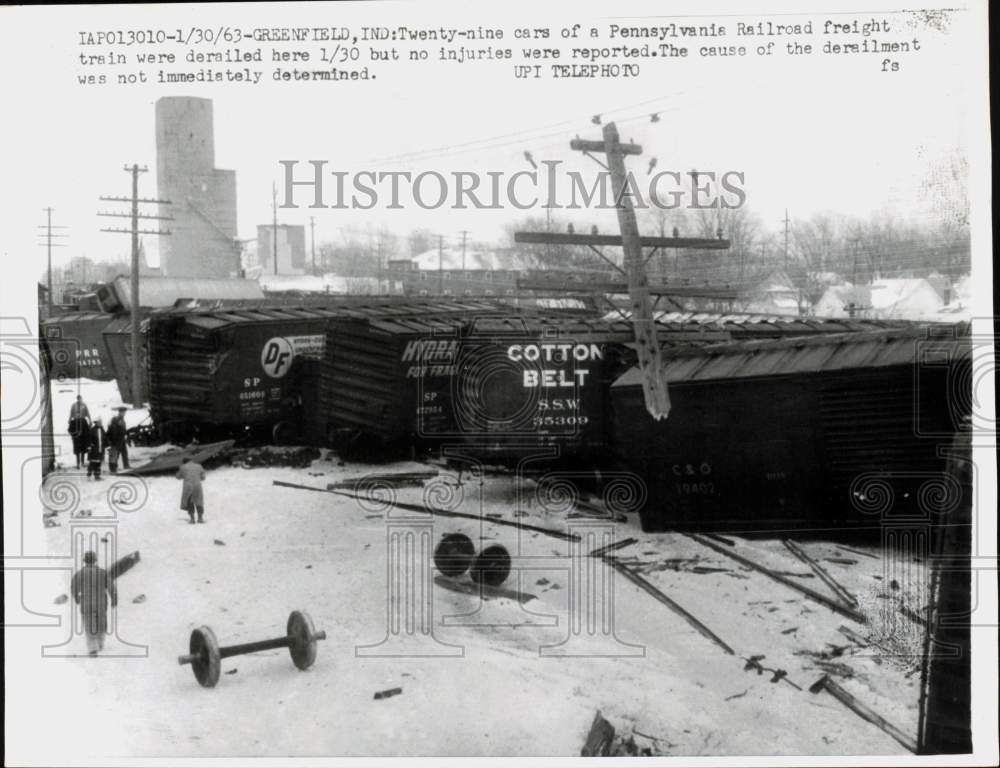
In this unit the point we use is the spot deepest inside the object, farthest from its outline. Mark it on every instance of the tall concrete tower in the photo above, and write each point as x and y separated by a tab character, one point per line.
203	243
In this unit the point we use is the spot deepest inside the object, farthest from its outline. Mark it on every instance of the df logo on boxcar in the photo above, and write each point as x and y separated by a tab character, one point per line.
276	358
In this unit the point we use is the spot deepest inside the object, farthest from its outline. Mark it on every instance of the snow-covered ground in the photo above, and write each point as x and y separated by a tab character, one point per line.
267	550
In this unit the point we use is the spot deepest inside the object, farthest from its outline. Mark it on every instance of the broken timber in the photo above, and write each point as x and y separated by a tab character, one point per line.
835	605
863	711
436	511
647	587
820	571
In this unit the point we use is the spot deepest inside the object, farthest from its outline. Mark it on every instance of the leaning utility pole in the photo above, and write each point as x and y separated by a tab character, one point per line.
134	231
650	360
48	226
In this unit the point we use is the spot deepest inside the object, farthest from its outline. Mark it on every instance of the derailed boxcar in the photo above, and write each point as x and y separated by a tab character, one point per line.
376	364
503	384
77	345
118	343
833	432
224	370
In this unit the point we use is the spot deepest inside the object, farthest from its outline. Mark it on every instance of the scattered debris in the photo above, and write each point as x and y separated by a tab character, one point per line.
862	710
388	693
437	511
61	599
297	458
737	695
835	605
857	551
51	523
124	564
721	539
912	615
647	587
841	560
171	460
789	630
219	542
822	573
853	636
777	675
232	671
485	591
139	599
394	479
542	582
600	738
611	547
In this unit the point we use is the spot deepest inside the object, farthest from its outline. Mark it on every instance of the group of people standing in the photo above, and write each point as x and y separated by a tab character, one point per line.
91	440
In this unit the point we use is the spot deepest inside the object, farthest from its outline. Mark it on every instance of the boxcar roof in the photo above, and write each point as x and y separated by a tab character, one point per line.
810	354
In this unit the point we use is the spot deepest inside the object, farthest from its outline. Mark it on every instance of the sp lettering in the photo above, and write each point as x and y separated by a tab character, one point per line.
276	357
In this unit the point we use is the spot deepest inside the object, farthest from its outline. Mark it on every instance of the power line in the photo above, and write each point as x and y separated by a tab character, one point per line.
49	235
134	231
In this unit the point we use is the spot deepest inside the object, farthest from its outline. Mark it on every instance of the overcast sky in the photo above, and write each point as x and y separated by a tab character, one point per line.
822	133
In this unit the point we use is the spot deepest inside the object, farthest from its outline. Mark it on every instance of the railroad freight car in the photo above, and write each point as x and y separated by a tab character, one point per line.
814	433
502	385
250	369
231	370
77	345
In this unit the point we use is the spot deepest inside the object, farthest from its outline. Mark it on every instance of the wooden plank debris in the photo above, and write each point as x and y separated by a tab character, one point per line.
436	511
648	587
830	603
611	547
863	711
820	571
600	738
172	460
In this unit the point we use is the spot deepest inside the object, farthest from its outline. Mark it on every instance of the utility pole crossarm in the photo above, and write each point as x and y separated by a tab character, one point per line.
583	145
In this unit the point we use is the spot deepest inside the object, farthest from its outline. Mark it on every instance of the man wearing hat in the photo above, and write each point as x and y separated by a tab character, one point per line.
91	588
117	440
96	443
79	427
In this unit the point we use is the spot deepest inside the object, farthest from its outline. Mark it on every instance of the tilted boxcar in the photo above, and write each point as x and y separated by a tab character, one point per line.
118	343
77	345
823	432
502	383
218	370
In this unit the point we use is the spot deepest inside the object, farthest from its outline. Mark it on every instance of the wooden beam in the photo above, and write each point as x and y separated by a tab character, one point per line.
609	286
587	145
566	238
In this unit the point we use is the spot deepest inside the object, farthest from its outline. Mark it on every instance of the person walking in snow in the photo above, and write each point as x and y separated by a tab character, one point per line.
117	441
91	587
97	441
192	497
79	425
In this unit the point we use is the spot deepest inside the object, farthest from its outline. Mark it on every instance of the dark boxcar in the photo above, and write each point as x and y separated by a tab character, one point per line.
77	345
225	369
818	433
118	342
376	361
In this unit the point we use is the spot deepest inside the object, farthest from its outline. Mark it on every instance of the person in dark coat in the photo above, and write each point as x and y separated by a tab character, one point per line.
96	444
79	426
117	441
91	587
192	498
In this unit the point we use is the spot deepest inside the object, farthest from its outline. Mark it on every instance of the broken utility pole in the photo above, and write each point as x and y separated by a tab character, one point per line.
654	384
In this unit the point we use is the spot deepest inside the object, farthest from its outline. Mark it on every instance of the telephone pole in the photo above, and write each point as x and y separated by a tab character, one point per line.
274	227
650	359
441	265
465	234
48	226
312	238
134	231
785	222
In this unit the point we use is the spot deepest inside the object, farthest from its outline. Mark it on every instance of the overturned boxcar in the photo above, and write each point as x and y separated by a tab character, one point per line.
76	343
815	433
